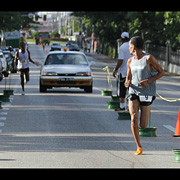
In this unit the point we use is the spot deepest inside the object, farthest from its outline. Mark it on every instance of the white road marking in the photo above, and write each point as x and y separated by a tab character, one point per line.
170	128
7	104
169	89
3	113
1	124
2	118
5	108
11	97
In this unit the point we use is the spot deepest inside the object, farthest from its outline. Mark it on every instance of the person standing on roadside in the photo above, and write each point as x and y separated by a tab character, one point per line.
23	57
121	68
43	45
140	80
88	47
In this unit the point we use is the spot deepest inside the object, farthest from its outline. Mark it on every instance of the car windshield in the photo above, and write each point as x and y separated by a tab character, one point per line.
74	45
55	44
76	59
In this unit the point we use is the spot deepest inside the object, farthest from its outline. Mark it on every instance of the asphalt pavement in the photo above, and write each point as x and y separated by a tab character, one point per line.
68	128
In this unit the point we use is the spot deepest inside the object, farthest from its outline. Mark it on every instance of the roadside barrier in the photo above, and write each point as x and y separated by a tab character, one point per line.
108	90
168	100
109	83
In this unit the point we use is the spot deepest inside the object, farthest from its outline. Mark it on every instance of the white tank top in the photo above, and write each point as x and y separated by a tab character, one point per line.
23	60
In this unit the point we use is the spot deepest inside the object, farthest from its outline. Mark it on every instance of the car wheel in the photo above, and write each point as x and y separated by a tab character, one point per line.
41	87
88	89
6	74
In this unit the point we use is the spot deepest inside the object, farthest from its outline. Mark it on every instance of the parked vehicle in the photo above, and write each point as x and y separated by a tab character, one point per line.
3	64
2	59
12	38
9	59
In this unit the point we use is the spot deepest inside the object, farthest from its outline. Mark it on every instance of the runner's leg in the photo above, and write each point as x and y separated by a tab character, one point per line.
134	112
21	73
145	112
27	75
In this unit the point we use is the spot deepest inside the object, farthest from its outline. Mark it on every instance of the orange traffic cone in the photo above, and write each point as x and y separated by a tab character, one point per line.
177	131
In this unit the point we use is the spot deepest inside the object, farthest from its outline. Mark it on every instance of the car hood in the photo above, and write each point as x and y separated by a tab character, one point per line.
66	68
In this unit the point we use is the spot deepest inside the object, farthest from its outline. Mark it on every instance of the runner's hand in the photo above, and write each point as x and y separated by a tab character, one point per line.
114	73
36	63
143	82
127	83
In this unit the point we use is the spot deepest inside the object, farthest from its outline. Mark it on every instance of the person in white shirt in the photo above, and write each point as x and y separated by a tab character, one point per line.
23	57
88	46
121	68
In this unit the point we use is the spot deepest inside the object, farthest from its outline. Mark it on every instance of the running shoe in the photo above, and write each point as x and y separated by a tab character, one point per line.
139	151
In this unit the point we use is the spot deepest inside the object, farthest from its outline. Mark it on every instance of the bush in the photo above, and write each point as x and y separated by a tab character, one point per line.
109	50
35	33
55	34
59	39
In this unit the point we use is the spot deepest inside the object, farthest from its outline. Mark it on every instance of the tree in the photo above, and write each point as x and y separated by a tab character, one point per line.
155	26
10	20
55	34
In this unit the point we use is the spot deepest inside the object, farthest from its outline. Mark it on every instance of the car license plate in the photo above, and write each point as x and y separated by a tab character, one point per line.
62	79
66	79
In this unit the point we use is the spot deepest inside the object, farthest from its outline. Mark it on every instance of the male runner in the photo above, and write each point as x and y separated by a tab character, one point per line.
23	57
140	80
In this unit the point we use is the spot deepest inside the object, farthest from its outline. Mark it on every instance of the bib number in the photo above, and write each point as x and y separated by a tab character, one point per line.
145	98
24	61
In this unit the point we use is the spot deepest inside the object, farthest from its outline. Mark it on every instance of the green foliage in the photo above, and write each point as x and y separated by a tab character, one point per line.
155	26
13	20
35	33
55	34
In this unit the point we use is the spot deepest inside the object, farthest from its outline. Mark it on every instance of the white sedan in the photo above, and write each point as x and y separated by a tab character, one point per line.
66	69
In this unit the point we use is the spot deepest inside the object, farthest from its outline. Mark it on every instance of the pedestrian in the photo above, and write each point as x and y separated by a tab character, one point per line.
23	57
88	46
121	69
85	47
140	80
43	45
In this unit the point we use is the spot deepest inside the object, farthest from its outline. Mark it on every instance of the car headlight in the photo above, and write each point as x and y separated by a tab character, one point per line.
49	73
83	74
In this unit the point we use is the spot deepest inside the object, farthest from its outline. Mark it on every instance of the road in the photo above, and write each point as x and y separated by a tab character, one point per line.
68	128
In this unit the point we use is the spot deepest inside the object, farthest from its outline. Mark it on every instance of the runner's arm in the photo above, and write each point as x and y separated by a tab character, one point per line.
16	56
31	59
129	75
153	63
119	63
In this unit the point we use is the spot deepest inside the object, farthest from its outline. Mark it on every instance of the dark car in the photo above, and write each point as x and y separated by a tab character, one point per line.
74	47
68	44
55	46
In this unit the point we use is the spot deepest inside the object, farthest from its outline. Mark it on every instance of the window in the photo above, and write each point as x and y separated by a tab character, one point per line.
75	59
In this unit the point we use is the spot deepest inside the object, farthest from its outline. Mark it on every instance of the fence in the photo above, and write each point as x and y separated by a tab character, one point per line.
175	58
169	59
159	52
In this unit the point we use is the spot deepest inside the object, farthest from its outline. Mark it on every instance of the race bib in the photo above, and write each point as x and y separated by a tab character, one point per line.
24	61
145	98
